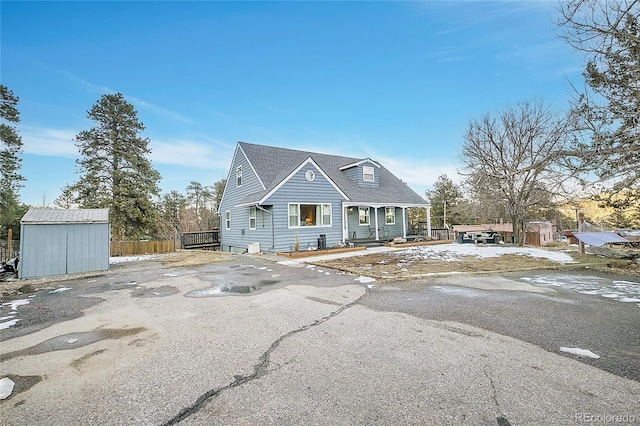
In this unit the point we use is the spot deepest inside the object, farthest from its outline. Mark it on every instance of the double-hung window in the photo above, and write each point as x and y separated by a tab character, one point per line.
252	218
363	215
367	174
309	215
390	215
227	219
239	176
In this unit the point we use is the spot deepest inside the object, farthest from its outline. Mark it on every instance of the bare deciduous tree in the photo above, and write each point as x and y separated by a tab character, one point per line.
513	157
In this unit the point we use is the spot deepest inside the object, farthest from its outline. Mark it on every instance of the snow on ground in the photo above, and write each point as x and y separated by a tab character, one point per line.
454	252
123	259
60	290
6	387
620	290
13	312
580	352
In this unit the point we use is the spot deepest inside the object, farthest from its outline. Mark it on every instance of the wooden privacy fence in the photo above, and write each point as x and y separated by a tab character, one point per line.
131	248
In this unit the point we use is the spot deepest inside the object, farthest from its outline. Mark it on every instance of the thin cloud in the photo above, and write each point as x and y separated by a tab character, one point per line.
189	154
46	141
94	88
159	110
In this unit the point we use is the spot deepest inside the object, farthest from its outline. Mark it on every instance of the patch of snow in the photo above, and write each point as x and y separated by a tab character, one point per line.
622	291
453	252
580	352
131	283
60	290
14	304
371	286
6	387
123	259
206	292
311	266
8	324
364	280
72	341
170	275
92	281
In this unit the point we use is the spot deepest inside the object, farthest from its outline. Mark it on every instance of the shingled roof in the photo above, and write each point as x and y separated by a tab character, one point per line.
273	165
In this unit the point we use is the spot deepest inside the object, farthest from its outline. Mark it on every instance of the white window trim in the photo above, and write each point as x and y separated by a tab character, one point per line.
322	225
227	219
368	215
365	174
253	214
394	216
239	176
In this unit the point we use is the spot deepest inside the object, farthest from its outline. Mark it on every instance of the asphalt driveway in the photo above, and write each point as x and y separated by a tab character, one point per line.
249	341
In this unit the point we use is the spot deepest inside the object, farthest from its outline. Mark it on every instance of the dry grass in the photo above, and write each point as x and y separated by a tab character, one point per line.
193	258
392	266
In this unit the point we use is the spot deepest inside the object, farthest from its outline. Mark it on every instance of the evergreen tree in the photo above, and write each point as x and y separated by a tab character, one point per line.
607	112
444	199
10	178
115	172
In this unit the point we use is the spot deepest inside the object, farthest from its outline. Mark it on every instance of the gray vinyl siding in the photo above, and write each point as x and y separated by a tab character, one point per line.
299	190
239	236
364	231
58	249
356	174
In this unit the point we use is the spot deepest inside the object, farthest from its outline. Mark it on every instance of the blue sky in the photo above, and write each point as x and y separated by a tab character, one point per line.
394	81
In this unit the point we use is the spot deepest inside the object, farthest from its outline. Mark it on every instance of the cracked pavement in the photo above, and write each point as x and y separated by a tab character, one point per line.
301	346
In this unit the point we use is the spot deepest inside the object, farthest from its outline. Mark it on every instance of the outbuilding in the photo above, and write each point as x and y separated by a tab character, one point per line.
64	241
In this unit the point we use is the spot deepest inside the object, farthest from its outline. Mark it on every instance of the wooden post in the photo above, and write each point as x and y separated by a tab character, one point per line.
9	243
580	223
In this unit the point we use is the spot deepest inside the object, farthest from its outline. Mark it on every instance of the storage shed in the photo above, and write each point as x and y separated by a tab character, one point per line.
63	241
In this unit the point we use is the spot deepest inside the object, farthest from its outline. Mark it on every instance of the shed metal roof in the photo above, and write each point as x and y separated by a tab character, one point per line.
47	215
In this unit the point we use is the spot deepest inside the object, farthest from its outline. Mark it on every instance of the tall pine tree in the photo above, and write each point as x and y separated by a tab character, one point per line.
115	172
607	112
10	163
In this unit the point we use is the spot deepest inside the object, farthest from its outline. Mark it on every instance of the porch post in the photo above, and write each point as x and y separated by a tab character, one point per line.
376	213
428	219
345	224
404	223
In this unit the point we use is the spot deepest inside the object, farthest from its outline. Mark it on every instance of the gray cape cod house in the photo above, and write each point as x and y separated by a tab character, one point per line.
285	199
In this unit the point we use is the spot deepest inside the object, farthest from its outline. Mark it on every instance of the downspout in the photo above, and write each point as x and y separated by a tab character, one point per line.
273	238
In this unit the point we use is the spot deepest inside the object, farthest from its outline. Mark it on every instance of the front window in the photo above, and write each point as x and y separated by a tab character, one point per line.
227	219
367	173
239	176
309	215
252	218
363	214
390	215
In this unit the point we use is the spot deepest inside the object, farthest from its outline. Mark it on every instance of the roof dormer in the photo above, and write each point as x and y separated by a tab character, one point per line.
363	173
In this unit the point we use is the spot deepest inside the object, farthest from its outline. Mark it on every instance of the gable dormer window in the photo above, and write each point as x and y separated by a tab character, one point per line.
239	176
367	174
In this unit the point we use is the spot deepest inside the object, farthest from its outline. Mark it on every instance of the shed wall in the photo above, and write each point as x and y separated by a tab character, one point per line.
57	249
